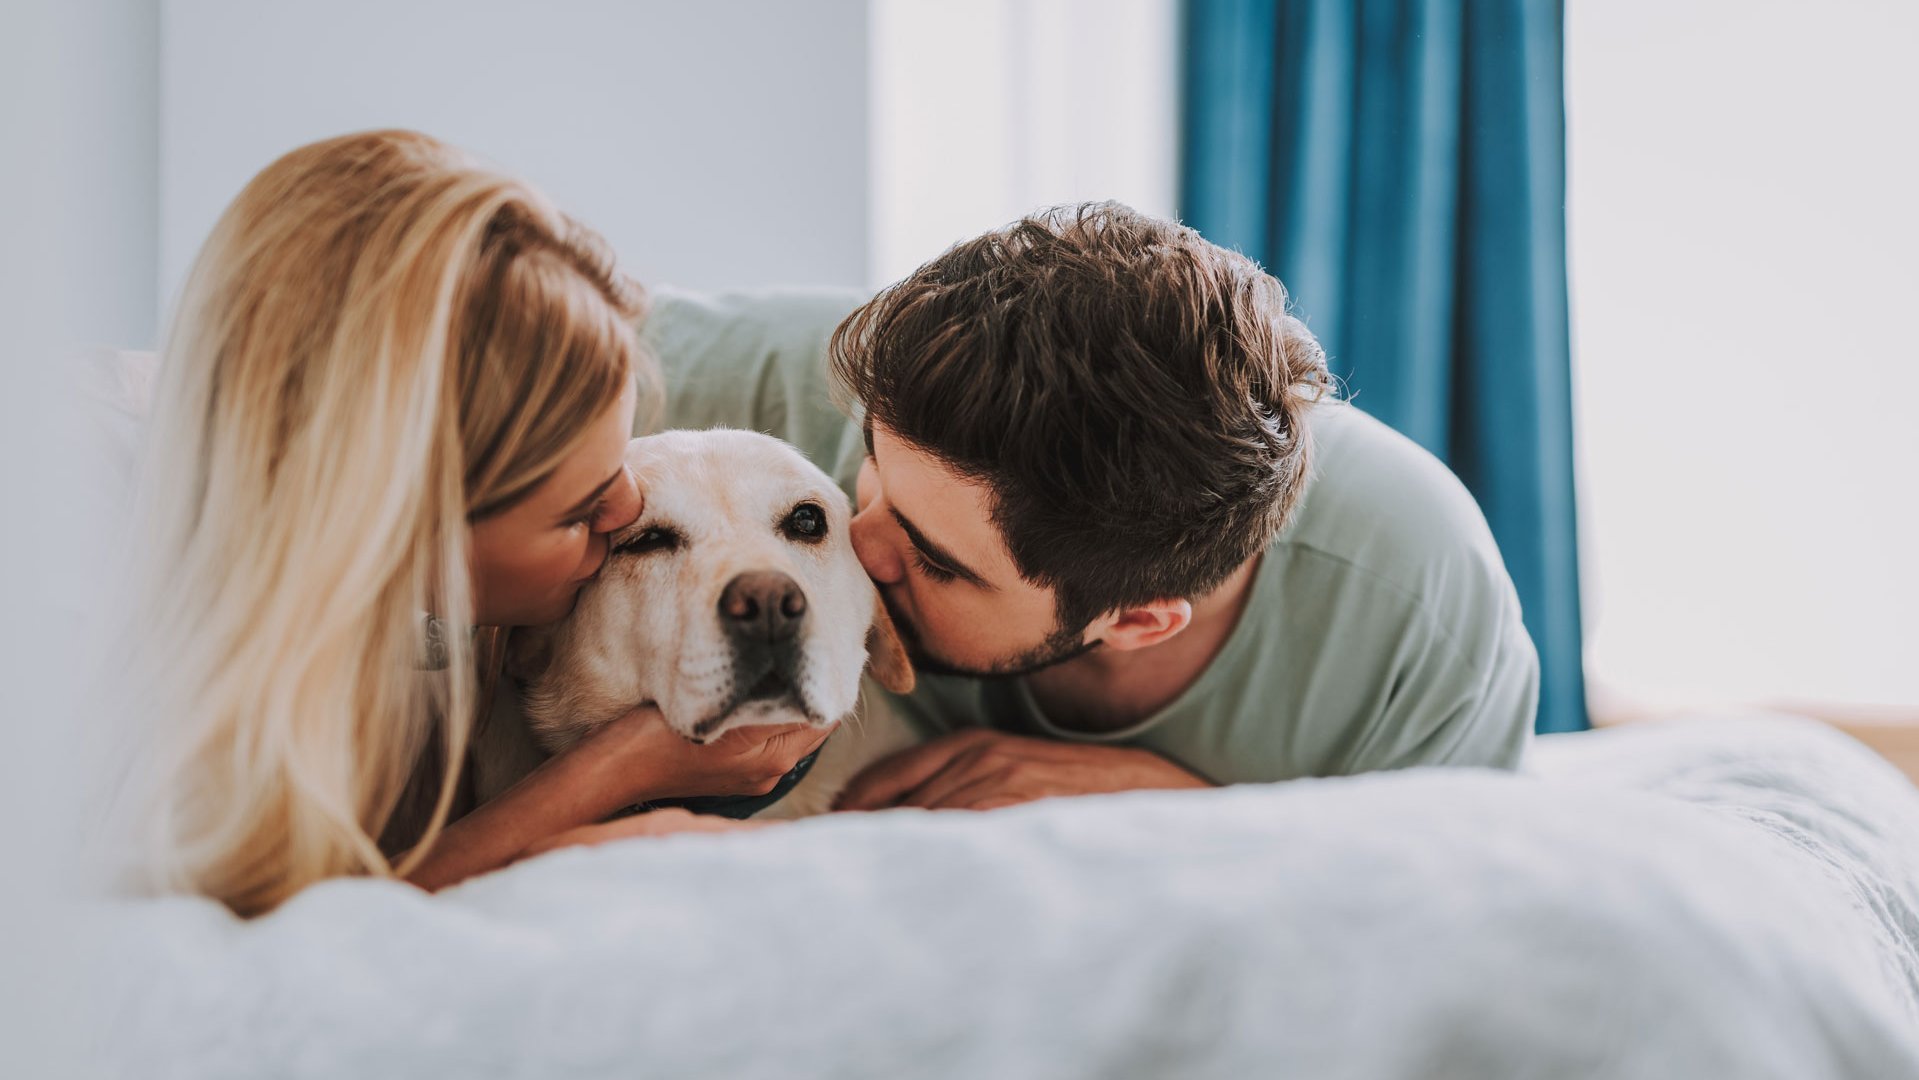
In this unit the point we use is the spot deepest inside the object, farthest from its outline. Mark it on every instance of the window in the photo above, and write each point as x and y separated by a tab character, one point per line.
1744	216
984	110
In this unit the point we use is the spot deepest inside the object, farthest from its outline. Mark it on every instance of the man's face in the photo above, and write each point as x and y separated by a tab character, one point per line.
926	537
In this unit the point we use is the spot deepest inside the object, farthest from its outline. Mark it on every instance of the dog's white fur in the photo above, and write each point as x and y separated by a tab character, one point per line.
648	629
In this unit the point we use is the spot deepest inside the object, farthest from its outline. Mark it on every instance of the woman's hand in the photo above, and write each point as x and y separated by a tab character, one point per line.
745	761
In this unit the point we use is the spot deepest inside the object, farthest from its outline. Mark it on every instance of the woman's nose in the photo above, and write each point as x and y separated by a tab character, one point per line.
875	547
623	503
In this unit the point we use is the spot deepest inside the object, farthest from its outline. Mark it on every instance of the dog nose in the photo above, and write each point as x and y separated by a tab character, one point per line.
762	604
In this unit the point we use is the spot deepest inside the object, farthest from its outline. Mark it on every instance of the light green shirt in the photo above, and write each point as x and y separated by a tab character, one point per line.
1382	631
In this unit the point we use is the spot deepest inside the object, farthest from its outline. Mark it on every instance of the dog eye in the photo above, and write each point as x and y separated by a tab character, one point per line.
807	522
656	538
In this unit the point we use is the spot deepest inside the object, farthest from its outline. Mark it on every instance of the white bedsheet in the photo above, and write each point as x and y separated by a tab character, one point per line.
1712	900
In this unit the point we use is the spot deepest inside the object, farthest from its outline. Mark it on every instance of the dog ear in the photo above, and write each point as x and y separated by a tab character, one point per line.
885	654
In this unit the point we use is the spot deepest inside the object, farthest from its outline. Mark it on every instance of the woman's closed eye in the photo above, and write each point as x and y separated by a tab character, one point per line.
603	516
588	518
617	505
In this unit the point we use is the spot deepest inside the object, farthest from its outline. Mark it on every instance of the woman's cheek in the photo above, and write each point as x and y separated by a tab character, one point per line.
555	558
589	554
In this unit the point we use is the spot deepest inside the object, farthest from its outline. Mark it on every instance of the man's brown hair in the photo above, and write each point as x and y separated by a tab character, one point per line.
1133	396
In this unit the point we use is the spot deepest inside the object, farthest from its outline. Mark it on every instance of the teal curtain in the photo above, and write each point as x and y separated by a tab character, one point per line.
1400	165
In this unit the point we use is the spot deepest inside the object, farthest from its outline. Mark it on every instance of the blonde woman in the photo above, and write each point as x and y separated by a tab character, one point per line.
391	414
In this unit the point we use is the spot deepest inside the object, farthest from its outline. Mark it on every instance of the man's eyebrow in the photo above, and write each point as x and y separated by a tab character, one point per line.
582	506
931	551
937	554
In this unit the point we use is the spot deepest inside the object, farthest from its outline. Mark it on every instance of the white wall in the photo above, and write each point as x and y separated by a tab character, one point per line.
719	143
984	110
727	143
1743	227
80	161
76	266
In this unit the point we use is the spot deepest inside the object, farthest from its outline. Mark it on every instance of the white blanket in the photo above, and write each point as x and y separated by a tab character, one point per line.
1713	900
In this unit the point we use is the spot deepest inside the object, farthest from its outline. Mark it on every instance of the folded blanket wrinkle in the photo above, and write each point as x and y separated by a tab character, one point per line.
1841	808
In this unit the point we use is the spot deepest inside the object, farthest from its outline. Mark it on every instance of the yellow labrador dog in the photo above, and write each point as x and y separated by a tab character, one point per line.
734	599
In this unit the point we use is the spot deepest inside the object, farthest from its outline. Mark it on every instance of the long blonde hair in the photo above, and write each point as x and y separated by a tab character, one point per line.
381	342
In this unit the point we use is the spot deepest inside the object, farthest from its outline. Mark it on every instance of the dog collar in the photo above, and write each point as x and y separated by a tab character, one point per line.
738	807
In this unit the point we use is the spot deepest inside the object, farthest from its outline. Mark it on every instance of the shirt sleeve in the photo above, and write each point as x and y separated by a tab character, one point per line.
755	361
1463	700
1336	671
1422	653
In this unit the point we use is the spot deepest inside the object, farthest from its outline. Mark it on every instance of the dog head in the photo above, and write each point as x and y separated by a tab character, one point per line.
735	598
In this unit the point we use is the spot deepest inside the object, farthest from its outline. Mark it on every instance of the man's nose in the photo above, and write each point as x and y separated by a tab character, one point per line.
873	543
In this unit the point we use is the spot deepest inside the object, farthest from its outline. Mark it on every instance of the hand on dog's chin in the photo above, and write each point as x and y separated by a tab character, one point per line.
752	714
747	759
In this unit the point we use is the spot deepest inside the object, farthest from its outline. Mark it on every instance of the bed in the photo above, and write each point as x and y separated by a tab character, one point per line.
1726	897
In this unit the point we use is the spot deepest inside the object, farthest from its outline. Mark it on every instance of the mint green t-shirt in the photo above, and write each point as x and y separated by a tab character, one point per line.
1382	631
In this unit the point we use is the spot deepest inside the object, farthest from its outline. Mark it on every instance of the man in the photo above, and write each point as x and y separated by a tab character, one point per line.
1131	539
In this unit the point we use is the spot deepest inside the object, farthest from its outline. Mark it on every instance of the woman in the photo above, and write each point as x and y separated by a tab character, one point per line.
393	407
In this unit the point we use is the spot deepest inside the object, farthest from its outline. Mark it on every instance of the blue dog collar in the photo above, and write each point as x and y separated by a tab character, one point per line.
738	807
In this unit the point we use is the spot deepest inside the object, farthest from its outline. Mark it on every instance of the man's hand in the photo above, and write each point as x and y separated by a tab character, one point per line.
979	769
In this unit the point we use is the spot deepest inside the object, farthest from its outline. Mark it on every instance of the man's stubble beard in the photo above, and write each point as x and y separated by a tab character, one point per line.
1059	646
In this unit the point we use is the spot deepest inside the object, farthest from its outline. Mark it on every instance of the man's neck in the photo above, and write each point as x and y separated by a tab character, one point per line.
1106	690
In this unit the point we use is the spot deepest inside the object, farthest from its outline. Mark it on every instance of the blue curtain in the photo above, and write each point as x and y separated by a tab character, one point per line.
1400	165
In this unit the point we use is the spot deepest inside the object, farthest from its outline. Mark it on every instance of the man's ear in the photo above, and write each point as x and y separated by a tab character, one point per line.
1142	625
885	654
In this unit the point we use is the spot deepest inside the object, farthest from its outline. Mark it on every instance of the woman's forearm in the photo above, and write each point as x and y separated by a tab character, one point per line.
582	786
634	759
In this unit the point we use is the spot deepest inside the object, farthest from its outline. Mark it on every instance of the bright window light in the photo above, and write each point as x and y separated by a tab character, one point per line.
984	110
1744	210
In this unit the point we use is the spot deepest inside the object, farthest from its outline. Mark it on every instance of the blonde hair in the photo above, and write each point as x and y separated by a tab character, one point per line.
381	342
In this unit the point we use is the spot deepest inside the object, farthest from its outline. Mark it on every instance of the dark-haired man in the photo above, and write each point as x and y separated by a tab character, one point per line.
1130	537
